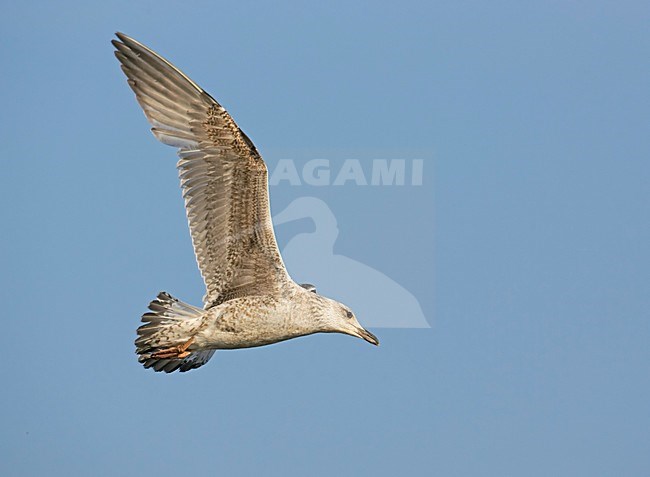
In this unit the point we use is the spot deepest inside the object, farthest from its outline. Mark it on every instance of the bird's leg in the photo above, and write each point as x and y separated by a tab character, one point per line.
182	349
178	352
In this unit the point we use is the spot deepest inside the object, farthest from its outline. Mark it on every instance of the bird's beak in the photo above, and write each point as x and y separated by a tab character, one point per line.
368	336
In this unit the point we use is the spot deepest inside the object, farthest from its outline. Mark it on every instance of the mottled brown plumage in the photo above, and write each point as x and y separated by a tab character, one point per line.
250	298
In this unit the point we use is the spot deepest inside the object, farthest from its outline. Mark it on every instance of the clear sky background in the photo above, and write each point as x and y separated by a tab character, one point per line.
527	244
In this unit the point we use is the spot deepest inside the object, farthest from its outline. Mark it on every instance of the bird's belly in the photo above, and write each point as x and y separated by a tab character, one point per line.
240	340
240	330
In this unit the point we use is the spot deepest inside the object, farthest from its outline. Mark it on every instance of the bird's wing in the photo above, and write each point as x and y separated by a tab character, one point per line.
223	177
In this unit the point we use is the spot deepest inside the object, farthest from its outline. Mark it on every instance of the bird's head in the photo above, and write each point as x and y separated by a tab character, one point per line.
338	318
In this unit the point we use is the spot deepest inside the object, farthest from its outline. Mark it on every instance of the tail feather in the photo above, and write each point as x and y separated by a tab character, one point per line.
170	322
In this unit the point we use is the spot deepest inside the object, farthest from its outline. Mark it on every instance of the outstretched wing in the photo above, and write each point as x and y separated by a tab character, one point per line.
223	177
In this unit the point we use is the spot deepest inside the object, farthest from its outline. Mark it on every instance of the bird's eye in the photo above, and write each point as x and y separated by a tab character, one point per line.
349	314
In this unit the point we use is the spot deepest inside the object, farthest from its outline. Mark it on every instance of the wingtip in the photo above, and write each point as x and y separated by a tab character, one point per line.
125	40
130	42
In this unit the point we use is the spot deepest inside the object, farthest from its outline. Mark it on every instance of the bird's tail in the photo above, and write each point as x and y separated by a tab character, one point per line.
170	323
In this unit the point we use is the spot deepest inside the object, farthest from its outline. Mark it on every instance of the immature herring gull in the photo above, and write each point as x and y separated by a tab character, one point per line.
250	299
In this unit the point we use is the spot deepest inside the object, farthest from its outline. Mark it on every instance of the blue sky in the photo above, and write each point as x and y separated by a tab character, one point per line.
526	245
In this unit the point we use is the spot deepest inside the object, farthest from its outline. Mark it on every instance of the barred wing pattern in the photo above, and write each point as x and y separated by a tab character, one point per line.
223	177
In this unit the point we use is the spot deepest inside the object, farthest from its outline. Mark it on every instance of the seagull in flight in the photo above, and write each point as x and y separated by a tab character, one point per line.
250	299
